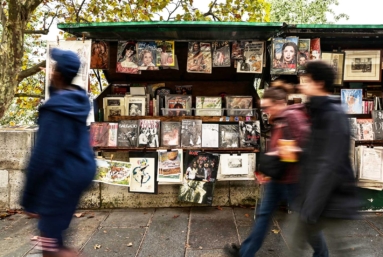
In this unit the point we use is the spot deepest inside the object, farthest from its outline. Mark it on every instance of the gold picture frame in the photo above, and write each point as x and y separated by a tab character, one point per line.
362	65
336	60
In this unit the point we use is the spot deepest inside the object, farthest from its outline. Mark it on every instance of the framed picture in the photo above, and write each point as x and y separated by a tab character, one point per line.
143	175
336	60
362	65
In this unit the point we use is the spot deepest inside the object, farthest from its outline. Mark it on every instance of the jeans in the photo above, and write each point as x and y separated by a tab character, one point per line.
273	194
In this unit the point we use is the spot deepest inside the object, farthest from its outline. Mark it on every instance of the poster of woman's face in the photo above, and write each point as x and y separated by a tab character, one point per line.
99	55
284	55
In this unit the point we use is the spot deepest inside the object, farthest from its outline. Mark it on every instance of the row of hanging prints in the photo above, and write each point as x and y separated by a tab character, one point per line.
288	55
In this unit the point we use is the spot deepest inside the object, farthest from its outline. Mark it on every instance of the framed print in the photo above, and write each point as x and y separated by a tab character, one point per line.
143	175
362	65
336	60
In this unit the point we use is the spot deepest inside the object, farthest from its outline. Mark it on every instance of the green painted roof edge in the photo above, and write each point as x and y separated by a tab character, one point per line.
168	24
337	26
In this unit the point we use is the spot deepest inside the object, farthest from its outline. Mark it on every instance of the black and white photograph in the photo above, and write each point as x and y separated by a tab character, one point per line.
149	132
135	105
229	135
226	173
113	106
362	65
127	133
210	135
234	163
377	126
191	131
249	133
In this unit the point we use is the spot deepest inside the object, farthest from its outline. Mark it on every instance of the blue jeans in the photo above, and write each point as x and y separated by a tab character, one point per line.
273	194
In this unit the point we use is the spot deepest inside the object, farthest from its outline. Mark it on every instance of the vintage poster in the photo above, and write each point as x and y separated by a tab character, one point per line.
352	100
127	61
99	134
208	106
178	105
315	49
199	58
149	133
221	54
201	166
252	61
100	55
234	164
228	135
239	105
82	49
165	53
112	137
336	60
146	54
170	166
210	135
144	170
303	54
135	105
377	126
127	133
191	131
249	133
365	129
371	163
284	55
248	176
113	172
170	133
196	192
237	50
113	106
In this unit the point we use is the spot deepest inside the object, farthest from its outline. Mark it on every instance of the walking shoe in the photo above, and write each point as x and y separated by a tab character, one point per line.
232	250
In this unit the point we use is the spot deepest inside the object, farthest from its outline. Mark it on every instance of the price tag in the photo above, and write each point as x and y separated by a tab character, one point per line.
227	118
248	118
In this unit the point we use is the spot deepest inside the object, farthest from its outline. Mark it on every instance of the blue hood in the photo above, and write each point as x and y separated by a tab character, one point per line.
73	103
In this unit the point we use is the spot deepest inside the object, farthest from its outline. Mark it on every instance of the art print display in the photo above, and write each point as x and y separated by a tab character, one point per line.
191	131
239	105
228	135
147	54
303	54
352	100
127	133
112	135
184	89
377	126
199	58
113	106
221	54
178	105
210	135
196	192
82	49
252	61
170	166
127	61
165	53
284	55
170	133
208	106
135	105
99	55
113	172
143	177
365	129
362	65
149	133
99	134
201	166
371	163
234	164
237	50
249	133
336	60
248	176
315	49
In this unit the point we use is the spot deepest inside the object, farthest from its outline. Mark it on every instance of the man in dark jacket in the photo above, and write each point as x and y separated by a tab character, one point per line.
62	164
327	184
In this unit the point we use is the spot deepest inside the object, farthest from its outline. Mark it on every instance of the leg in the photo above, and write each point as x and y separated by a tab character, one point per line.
253	243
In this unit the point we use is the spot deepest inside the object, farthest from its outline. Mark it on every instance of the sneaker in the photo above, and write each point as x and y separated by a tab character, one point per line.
232	250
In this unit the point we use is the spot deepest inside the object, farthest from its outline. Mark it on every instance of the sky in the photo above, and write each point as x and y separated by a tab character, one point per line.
360	12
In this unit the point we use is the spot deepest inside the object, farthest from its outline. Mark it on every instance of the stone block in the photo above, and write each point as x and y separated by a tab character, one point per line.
16	183
91	197
243	193
4	189
16	148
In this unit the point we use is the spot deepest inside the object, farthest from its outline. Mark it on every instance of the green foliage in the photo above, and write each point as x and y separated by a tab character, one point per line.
304	11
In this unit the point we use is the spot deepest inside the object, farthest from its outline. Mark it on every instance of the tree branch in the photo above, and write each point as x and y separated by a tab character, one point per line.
210	12
29	95
42	32
31	71
175	8
79	10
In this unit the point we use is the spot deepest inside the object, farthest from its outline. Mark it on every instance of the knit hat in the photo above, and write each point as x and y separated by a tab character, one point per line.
67	64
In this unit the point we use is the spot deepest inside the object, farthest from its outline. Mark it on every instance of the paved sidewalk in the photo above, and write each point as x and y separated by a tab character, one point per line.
168	232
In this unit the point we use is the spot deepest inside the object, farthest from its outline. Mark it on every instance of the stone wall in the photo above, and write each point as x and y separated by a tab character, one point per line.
16	146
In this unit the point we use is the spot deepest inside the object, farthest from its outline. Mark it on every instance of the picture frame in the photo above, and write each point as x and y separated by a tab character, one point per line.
336	60
362	65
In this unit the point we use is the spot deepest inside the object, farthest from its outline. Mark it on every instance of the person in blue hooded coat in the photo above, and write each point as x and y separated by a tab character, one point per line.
62	163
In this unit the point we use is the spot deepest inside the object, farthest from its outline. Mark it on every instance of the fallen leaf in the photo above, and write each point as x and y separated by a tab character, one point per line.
78	215
187	246
130	244
275	231
35	238
175	216
105	231
8	238
219	208
247	215
200	247
97	246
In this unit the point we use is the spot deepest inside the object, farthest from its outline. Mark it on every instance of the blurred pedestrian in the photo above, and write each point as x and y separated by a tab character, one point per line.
327	191
288	123
62	164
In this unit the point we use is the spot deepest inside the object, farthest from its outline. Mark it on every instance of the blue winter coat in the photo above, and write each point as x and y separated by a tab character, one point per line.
62	164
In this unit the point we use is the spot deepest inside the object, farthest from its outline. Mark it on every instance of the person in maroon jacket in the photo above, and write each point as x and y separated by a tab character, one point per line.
288	122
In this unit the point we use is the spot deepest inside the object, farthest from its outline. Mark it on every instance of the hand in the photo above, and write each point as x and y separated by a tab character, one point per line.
32	215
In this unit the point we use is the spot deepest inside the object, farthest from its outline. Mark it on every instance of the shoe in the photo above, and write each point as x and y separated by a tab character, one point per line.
232	250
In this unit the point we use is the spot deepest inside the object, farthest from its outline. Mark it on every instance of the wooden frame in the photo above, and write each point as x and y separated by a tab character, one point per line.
336	60
362	65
